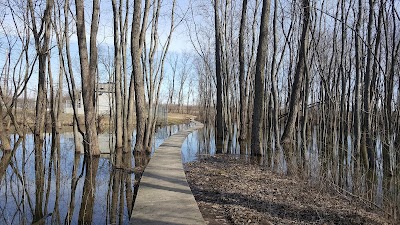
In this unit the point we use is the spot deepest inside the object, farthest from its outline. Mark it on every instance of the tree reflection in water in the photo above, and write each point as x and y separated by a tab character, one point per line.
75	190
322	165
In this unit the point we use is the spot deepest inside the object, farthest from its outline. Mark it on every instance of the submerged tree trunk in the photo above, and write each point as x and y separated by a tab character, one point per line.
136	90
42	40
88	66
256	131
357	101
294	104
89	191
367	148
219	132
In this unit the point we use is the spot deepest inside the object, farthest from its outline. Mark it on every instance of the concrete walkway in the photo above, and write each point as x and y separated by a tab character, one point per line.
164	196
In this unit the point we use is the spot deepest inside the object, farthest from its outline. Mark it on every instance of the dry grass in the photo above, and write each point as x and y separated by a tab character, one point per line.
66	120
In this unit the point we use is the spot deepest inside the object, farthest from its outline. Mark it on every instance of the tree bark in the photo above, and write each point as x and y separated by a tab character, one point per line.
88	74
287	137
136	90
117	10
242	74
42	40
367	148
256	132
219	133
357	113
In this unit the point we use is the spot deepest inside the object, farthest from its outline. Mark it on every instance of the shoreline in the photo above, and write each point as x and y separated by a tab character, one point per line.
230	190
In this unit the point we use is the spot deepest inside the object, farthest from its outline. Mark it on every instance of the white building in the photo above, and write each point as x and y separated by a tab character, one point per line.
104	97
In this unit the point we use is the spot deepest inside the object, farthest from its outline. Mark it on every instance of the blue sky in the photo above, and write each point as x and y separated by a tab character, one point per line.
180	41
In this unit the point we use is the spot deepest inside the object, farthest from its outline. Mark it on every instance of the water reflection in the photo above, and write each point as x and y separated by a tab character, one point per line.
327	163
70	189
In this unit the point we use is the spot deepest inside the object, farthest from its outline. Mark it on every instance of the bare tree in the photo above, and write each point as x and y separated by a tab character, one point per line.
287	137
136	89
357	102
174	67
119	31
218	74
42	40
88	65
155	76
242	73
256	131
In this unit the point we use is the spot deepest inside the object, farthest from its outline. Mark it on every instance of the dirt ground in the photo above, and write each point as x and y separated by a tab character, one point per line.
229	190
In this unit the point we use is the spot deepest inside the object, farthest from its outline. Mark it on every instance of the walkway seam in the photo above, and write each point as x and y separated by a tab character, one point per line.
164	196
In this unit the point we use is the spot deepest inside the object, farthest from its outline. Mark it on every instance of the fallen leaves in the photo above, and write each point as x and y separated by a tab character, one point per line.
232	190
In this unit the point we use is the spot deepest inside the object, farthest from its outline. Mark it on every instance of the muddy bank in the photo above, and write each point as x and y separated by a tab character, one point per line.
65	122
234	191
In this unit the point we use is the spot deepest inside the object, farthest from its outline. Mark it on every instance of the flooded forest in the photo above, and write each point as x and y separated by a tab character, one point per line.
90	89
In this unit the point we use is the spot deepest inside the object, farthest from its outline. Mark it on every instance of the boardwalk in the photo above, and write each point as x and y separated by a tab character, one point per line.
164	195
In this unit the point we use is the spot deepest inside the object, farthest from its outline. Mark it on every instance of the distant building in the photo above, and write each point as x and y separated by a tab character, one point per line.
104	96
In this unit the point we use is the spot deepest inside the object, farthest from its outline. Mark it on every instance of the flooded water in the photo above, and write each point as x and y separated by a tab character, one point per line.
376	189
78	190
75	189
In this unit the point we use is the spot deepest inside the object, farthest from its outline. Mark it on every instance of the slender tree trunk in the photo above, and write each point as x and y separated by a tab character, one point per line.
42	50
89	191
367	148
357	113
219	119
117	11
242	74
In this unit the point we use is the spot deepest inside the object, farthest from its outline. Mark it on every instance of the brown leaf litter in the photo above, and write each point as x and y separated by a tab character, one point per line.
231	190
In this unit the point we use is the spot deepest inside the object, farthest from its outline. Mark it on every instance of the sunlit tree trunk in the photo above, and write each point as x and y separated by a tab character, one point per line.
136	89
159	77
42	41
117	11
88	66
69	75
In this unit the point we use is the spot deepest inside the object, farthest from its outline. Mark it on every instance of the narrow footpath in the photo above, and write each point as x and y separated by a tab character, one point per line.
164	196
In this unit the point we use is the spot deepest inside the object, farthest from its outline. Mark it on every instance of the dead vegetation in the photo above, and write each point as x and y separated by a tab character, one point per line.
233	190
66	121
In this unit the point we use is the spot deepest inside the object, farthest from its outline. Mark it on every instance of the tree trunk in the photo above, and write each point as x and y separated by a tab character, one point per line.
256	132
367	148
242	74
117	10
357	113
42	48
136	90
88	65
219	131
89	191
287	137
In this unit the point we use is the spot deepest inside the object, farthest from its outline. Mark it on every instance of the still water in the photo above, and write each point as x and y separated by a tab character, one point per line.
377	190
109	192
65	182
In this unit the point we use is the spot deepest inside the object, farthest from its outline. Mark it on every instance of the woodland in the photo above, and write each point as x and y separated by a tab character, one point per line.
298	84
